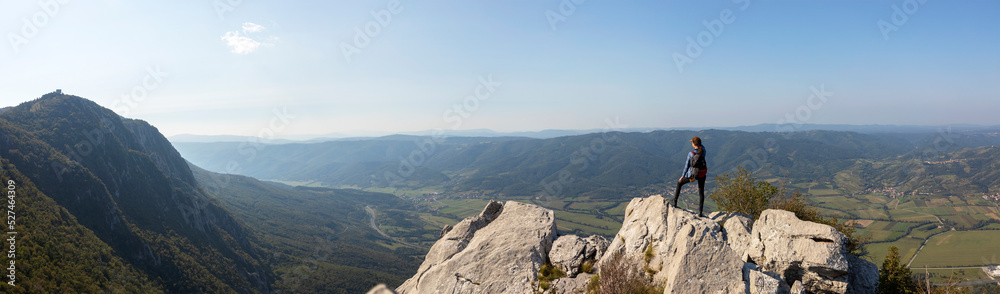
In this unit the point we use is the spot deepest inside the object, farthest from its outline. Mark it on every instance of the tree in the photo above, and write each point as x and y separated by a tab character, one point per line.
741	192
894	276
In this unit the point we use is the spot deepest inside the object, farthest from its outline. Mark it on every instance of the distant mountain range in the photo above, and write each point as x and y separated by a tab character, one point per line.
547	134
597	164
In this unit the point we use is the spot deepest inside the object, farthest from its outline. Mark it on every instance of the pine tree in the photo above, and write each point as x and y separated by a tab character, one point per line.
895	277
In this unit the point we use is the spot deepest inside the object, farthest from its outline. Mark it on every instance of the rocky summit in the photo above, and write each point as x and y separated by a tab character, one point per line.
503	249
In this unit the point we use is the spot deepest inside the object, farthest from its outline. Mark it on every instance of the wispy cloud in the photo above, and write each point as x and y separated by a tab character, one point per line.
249	27
251	38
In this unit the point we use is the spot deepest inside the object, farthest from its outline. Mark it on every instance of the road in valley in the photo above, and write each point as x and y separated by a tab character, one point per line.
371	220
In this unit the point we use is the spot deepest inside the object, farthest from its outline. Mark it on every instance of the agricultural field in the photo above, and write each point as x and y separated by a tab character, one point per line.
952	275
886	230
907	247
461	208
960	248
906	221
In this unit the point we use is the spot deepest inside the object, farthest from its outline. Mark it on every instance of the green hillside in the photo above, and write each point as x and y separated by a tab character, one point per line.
54	253
320	239
121	180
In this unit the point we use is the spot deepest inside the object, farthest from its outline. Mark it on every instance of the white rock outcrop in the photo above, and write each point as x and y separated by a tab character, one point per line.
697	258
571	251
502	249
645	225
498	251
799	250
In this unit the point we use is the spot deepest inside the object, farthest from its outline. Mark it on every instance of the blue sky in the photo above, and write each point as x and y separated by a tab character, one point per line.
240	67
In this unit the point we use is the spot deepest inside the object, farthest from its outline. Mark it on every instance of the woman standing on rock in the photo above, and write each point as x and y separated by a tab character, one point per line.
695	169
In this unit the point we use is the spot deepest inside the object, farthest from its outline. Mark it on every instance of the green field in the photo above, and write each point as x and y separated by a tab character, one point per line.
952	275
618	210
568	221
579	205
907	247
462	208
926	230
960	248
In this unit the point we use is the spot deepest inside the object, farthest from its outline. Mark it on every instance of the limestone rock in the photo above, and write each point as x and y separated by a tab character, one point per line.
797	288
571	285
600	244
763	282
381	289
737	228
799	250
571	251
863	276
445	230
645	225
697	258
498	251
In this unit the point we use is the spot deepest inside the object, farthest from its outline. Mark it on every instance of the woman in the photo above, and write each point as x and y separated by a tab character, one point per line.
695	169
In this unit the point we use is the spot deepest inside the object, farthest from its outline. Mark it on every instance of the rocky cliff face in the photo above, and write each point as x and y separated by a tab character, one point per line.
123	180
502	249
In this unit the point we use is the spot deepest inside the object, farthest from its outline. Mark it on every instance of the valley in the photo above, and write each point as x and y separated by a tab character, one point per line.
348	214
904	194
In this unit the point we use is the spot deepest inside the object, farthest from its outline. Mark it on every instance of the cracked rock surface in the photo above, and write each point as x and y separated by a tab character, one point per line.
498	251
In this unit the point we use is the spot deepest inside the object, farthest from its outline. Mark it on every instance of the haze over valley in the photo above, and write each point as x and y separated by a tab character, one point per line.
515	146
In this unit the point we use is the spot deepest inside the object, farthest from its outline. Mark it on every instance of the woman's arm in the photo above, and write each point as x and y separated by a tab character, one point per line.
687	166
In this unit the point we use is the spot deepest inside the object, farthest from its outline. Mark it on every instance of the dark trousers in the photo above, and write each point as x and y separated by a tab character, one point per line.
701	192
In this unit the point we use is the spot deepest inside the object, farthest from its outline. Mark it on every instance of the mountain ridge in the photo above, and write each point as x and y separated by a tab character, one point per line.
122	181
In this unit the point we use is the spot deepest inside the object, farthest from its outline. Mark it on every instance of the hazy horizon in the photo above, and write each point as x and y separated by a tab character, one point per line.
301	68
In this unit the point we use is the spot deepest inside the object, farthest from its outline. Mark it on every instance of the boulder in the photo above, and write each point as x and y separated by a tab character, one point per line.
697	259
569	285
737	228
863	276
498	251
797	288
381	289
600	244
799	250
759	282
570	252
645	225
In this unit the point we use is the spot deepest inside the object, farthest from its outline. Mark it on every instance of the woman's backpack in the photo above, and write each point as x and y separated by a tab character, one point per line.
698	165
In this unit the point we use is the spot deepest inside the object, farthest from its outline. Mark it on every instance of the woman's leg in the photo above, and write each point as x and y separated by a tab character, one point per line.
701	192
677	192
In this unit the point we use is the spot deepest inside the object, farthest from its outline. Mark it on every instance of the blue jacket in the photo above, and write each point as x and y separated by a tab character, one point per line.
687	163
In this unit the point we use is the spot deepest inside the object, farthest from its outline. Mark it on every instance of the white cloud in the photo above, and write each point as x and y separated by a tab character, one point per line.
248	42
249	27
240	44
